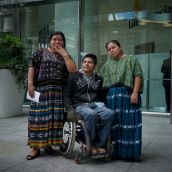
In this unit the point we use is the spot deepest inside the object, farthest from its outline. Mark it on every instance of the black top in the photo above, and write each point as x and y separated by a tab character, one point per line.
80	89
166	70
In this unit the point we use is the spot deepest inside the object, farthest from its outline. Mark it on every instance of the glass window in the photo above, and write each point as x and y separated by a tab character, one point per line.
142	27
39	21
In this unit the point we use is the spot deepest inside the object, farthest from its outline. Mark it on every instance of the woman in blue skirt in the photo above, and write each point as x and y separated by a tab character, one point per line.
124	79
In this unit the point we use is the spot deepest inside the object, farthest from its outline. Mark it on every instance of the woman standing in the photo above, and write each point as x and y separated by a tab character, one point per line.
124	78
48	71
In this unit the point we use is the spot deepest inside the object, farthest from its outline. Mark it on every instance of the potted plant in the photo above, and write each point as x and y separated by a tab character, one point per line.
13	70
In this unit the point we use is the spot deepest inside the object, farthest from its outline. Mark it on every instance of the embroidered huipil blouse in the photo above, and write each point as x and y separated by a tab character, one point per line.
121	71
48	65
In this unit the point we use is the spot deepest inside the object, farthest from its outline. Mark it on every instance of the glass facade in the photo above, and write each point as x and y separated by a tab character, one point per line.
144	29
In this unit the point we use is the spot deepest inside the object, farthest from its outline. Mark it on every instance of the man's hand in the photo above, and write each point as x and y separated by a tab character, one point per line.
71	116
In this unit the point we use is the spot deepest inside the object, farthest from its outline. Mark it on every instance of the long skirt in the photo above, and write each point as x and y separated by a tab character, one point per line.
45	121
127	127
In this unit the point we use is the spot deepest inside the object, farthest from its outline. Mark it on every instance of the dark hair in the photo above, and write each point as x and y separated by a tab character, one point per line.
113	41
58	33
92	56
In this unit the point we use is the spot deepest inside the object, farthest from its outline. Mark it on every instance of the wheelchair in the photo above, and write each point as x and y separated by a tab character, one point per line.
77	132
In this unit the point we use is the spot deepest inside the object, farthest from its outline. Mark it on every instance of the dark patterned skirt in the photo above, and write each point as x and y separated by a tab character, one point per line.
45	121
127	127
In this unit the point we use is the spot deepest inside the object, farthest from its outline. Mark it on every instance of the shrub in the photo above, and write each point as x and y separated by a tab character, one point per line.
12	57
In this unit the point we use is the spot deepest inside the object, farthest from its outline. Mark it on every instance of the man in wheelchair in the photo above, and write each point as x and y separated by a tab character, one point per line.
81	97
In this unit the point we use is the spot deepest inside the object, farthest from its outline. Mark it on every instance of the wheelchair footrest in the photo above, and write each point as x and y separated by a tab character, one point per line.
102	155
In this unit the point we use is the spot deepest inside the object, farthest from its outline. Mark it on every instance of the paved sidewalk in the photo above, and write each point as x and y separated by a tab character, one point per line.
157	151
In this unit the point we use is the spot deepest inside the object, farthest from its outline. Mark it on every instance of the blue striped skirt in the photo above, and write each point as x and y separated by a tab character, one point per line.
45	121
127	127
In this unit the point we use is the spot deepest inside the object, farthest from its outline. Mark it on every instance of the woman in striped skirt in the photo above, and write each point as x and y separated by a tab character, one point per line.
48	71
124	79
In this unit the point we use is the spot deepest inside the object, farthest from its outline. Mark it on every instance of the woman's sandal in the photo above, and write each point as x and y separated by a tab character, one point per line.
33	155
50	151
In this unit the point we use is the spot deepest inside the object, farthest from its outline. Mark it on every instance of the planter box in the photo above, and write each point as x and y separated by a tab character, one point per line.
11	98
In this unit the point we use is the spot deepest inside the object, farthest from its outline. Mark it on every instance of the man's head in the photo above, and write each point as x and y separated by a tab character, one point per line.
89	63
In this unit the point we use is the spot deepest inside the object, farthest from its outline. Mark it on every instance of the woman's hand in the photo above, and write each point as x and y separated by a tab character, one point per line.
60	50
31	87
134	98
31	90
135	93
71	67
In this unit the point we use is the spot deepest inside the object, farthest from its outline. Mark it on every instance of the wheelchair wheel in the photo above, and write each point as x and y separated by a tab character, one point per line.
69	134
86	136
108	158
109	144
109	147
78	159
